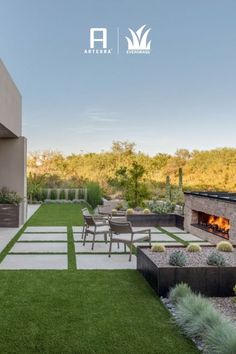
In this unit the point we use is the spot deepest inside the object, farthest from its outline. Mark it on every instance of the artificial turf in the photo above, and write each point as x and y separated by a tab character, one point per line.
82	312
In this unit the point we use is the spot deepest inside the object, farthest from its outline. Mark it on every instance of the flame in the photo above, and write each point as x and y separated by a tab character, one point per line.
221	222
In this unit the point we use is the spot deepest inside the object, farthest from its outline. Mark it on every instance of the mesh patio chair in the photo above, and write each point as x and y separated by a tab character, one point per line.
98	218
94	228
124	233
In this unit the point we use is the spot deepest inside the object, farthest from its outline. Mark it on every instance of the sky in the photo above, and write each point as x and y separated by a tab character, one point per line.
181	95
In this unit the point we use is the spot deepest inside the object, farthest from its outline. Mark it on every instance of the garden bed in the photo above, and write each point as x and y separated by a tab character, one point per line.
9	215
157	220
208	280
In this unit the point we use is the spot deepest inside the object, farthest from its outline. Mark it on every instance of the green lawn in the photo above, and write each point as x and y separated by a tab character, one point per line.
80	312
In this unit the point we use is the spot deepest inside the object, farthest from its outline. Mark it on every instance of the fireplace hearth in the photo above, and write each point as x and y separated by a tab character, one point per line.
211	216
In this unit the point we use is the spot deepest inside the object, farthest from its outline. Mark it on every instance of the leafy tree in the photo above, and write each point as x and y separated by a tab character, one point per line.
135	191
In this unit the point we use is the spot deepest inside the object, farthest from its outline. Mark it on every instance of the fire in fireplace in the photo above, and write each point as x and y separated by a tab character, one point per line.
217	225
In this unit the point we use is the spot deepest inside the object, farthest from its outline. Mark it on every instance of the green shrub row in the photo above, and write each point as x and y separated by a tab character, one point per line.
199	319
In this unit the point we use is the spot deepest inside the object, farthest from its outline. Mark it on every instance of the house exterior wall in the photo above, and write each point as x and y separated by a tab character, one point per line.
13	155
13	147
10	103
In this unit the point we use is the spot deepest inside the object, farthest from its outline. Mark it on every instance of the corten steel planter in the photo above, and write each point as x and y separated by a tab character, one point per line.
156	220
209	281
9	215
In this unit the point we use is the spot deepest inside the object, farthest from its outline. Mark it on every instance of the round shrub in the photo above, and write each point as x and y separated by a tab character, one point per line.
224	246
130	211
158	248
216	259
178	292
193	247
146	211
177	258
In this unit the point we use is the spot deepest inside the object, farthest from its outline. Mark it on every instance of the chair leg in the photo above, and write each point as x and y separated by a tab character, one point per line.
150	239
105	237
93	241
82	236
110	247
130	254
85	235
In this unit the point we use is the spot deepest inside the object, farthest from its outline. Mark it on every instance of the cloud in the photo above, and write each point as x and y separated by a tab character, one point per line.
100	116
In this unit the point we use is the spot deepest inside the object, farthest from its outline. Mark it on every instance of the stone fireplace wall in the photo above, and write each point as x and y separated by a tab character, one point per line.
217	207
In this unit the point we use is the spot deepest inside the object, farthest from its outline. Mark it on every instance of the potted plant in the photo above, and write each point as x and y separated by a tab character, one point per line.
9	208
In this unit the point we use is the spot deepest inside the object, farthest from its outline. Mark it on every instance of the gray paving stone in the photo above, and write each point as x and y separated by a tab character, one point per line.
173	229
163	243
189	237
89	237
95	261
43	237
161	238
27	261
39	247
34	229
99	247
153	229
77	229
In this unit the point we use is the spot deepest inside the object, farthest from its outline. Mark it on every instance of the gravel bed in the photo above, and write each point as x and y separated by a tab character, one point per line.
193	259
225	305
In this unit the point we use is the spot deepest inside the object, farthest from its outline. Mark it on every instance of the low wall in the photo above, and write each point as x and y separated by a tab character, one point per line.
157	220
209	281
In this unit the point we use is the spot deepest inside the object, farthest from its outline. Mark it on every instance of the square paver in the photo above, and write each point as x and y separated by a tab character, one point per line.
163	243
161	238
77	229
34	229
153	229
98	261
173	229
189	237
31	261
99	247
43	237
89	237
39	247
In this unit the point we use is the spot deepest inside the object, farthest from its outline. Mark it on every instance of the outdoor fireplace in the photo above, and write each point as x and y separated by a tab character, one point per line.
217	225
211	216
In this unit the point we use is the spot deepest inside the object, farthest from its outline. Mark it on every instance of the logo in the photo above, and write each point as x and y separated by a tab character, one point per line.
138	44
98	42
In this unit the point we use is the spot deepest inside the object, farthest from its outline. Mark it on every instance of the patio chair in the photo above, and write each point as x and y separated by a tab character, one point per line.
94	228
123	232
100	218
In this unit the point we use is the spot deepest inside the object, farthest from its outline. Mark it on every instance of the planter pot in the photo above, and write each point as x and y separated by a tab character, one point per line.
156	220
209	281
9	215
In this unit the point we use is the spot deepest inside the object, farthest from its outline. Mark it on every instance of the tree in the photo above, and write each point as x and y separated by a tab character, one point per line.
123	147
135	191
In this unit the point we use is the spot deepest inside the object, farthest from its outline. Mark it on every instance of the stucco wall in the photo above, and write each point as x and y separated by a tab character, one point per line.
10	103
13	155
